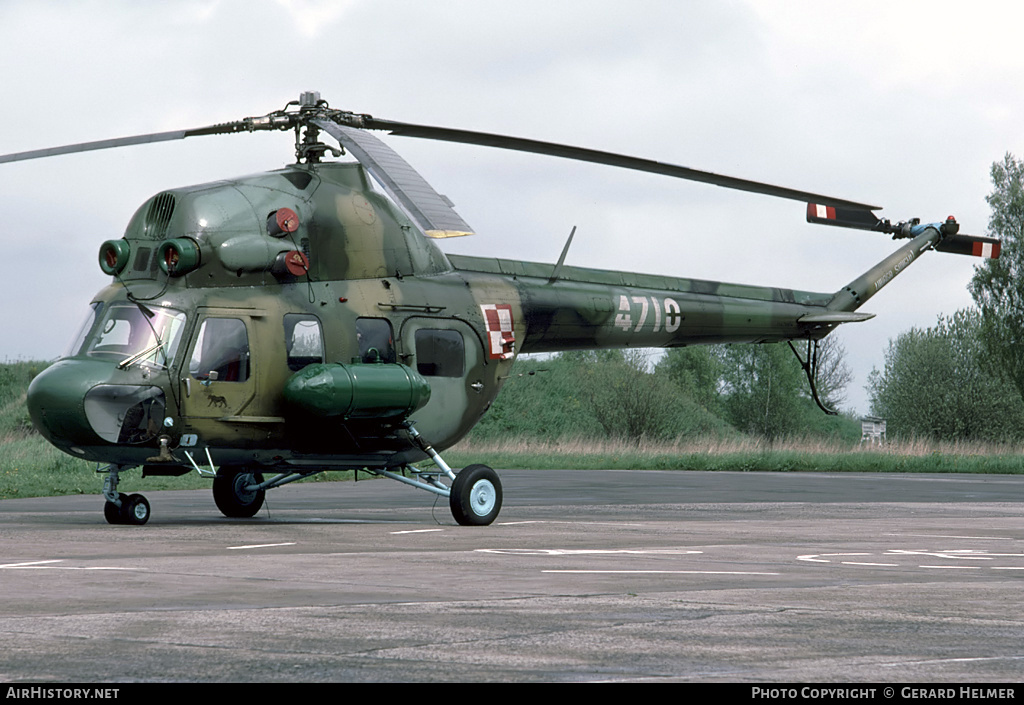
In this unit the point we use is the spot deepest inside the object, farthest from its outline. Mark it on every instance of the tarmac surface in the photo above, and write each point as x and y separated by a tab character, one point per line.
585	576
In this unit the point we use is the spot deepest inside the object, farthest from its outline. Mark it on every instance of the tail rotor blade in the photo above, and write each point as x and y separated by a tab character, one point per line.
974	245
842	216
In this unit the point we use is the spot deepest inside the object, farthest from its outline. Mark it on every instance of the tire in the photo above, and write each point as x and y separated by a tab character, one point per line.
475	497
112	512
231	497
135	510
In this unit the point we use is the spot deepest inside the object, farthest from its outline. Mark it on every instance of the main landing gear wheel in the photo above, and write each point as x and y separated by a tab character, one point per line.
475	496
112	512
134	509
231	495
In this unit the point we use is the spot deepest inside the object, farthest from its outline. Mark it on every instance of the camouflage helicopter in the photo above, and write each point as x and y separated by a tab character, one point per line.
264	329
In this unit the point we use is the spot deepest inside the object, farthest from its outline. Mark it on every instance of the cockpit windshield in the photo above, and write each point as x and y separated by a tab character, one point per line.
129	334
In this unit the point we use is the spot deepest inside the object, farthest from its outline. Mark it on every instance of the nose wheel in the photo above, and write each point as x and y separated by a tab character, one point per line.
133	509
121	508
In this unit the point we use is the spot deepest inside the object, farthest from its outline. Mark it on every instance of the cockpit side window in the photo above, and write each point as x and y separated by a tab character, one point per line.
221	352
303	339
79	341
376	340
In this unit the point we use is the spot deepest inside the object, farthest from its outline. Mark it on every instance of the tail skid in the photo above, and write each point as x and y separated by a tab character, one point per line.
810	365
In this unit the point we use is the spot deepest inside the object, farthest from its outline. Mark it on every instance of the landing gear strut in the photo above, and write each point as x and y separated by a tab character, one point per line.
475	493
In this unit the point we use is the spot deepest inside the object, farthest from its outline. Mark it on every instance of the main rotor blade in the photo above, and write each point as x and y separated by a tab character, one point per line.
608	158
424	205
90	146
222	128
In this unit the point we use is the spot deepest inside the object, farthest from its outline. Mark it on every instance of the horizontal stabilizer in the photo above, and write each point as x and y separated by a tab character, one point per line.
835	317
842	217
975	245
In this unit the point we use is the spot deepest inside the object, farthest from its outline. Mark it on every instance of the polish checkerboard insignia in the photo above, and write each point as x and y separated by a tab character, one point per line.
498	318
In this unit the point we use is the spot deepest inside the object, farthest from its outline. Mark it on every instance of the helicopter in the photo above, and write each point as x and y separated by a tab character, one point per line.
263	329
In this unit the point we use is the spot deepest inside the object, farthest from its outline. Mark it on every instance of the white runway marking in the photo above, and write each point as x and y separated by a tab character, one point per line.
954	536
29	564
955	556
588	551
577	523
965	659
48	565
817	557
260	545
962	554
663	572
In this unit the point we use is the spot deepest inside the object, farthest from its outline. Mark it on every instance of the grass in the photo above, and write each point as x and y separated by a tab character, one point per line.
792	455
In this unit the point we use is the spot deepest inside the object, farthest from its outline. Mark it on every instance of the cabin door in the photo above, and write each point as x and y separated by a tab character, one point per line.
449	355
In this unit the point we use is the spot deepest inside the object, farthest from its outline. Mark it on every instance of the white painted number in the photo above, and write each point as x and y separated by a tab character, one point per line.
623	320
669	307
673	316
642	300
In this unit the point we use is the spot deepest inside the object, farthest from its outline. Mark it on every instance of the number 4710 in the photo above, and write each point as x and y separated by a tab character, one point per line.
664	310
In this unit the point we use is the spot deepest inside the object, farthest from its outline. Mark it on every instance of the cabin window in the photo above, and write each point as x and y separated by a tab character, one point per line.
376	341
303	339
440	353
221	352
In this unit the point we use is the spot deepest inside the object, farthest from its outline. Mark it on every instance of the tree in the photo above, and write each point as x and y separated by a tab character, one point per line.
998	284
696	371
628	401
934	385
909	392
541	400
762	389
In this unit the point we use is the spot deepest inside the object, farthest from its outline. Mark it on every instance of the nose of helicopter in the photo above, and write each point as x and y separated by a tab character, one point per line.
56	400
75	405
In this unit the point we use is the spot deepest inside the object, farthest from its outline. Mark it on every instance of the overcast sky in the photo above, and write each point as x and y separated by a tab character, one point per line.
902	104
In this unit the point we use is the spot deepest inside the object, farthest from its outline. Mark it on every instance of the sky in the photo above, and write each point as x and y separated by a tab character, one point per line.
901	104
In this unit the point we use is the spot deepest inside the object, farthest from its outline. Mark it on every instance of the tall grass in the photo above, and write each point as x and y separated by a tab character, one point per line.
744	454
